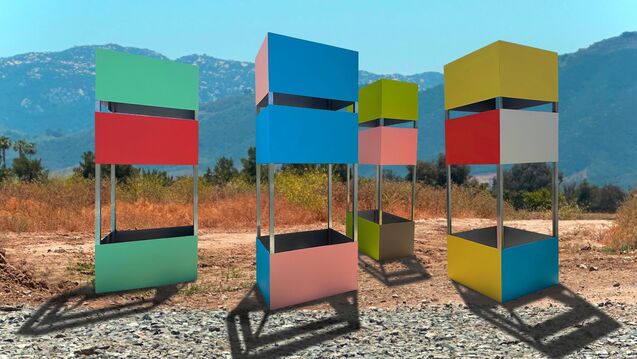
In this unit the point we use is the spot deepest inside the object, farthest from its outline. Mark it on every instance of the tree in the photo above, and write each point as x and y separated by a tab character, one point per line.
608	198
249	167
24	148
26	169
434	173
223	173
5	144
86	169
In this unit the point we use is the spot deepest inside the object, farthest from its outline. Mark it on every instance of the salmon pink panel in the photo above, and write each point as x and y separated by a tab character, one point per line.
303	275
261	72
398	146
473	139
134	139
369	146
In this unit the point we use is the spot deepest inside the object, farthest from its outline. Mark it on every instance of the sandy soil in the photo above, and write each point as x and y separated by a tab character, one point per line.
40	267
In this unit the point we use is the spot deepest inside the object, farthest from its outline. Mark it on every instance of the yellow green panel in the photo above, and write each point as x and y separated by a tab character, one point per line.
501	69
389	99
475	265
368	236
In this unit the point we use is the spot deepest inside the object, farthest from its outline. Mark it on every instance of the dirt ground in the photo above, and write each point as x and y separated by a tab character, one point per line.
40	267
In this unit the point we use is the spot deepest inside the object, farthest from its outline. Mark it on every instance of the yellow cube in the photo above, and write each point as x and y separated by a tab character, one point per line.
388	99
501	69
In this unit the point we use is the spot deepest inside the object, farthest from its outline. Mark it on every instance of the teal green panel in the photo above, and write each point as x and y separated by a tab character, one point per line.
145	263
142	80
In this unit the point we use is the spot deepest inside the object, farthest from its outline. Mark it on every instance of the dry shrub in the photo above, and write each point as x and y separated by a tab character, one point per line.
622	235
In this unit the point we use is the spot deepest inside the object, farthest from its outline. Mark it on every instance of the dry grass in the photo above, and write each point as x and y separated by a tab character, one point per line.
68	204
622	236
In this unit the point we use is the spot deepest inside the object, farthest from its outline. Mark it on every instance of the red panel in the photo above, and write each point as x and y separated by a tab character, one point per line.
473	139
134	139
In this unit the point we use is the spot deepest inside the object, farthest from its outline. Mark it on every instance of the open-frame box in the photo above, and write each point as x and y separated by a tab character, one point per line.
145	114
388	135
303	90
497	85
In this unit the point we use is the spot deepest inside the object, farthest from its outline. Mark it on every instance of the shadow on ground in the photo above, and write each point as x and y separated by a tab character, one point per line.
394	272
250	336
68	310
579	324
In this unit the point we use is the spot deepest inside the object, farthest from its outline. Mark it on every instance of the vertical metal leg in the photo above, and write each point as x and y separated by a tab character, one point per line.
413	194
113	203
348	186
380	194
258	200
355	205
500	207
329	196
98	204
449	231
376	197
555	204
195	199
271	206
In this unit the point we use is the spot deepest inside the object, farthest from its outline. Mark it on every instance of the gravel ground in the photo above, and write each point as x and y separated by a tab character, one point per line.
434	330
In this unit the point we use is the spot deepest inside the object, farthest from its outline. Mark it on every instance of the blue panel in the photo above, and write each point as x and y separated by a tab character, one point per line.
306	68
263	271
302	135
528	268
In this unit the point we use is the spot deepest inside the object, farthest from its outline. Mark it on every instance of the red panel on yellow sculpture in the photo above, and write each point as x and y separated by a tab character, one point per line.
134	139
473	139
387	146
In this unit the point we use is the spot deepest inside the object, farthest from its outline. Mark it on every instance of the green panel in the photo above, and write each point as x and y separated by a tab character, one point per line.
142	80
145	263
368	236
388	99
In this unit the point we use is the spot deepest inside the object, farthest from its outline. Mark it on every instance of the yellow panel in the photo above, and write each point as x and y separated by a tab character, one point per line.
392	99
369	102
501	69
476	266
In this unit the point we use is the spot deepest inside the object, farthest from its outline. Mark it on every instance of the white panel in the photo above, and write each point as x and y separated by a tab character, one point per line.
528	136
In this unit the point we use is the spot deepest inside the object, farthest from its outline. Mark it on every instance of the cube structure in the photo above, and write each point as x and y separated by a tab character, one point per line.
303	92
385	107
497	84
145	114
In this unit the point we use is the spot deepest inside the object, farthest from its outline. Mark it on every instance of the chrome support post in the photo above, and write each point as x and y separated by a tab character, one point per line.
258	204
195	199
98	203
380	194
113	203
449	231
329	196
413	193
500	206
555	204
355	205
271	206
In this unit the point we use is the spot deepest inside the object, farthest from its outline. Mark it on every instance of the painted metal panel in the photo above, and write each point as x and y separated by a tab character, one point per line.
261	72
388	146
389	99
501	69
263	271
475	265
305	68
145	264
301	275
528	136
301	135
143	80
396	240
530	267
135	139
368	235
473	139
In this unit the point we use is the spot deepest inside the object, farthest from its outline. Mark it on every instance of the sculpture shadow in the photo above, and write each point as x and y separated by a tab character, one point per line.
580	324
67	310
250	336
411	270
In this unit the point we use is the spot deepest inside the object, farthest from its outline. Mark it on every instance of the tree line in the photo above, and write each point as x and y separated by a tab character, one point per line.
24	167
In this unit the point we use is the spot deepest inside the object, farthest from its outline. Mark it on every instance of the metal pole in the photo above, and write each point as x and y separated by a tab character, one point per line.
413	194
555	204
500	207
380	194
98	204
449	229
113	203
349	168
329	196
195	199
355	205
258	200
271	206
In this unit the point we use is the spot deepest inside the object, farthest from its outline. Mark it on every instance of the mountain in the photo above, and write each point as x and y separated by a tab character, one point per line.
49	98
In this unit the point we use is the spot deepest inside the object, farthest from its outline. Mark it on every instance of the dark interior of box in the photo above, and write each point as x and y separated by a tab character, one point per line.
388	122
388	218
302	240
507	103
127	108
305	102
147	234
512	236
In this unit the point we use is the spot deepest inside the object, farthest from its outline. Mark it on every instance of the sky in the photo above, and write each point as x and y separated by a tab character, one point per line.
391	36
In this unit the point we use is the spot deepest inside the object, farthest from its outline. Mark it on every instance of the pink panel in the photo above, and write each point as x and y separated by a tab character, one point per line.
302	275
261	71
388	146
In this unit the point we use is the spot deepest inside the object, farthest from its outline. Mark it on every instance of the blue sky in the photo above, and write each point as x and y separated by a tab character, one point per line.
391	36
